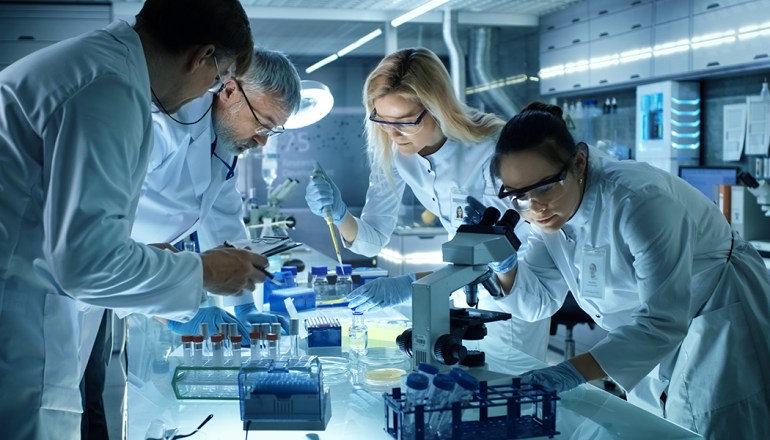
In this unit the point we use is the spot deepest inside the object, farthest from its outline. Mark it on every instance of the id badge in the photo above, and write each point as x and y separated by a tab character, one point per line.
594	272
457	207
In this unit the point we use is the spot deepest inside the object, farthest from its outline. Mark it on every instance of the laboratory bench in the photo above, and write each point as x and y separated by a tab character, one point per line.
356	412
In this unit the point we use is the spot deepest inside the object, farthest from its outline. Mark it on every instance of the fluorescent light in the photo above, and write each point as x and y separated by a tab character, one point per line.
416	12
361	41
321	63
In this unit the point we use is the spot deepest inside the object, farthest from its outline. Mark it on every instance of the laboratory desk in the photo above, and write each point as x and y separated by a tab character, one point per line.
585	412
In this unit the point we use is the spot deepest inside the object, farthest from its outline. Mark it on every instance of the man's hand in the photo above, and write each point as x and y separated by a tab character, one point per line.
229	271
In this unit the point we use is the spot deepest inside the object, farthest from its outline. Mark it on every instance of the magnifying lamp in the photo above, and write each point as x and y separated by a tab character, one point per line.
317	102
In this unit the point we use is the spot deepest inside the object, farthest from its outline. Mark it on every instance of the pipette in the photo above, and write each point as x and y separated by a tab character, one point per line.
330	222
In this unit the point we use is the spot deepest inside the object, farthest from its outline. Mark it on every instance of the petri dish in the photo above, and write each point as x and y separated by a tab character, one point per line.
335	369
382	368
383	379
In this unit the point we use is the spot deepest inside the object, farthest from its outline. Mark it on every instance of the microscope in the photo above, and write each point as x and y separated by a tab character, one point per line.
437	329
268	217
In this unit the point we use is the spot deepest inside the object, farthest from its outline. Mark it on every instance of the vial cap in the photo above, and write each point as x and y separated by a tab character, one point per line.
444	382
319	270
187	338
467	381
345	269
417	381
428	368
292	269
294	327
198	338
254	335
272	337
217	337
236	338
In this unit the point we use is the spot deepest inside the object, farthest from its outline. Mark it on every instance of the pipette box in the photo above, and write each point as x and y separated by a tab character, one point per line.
286	394
323	332
529	411
205	382
303	298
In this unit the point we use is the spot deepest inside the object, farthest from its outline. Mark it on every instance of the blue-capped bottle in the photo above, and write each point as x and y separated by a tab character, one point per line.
344	282
320	284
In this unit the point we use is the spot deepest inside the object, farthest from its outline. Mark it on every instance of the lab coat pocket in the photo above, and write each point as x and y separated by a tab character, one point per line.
717	364
61	373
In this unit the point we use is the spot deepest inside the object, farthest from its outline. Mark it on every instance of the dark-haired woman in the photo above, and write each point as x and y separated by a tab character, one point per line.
685	301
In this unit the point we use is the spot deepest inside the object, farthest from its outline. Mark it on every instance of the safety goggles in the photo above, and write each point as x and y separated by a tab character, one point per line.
405	128
262	130
543	192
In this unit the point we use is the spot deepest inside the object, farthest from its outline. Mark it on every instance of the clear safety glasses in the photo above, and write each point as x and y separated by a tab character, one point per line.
262	130
405	128
543	192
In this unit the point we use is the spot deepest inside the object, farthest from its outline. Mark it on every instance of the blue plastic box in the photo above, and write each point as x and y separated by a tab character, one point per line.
304	299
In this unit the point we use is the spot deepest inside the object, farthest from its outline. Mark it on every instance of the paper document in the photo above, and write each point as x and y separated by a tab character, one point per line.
267	246
733	131
757	125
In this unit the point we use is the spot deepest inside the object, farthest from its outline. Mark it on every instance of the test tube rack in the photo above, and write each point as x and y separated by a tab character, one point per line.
530	411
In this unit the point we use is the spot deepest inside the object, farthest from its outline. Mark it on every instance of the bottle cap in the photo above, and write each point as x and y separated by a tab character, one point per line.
417	381
345	269
272	337
292	269
236	338
319	270
254	335
467	381
217	337
187	338
428	368
198	338
444	382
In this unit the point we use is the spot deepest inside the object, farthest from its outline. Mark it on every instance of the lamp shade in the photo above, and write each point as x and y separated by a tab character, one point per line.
317	102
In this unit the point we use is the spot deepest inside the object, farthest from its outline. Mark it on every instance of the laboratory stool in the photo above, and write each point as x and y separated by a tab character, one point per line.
569	315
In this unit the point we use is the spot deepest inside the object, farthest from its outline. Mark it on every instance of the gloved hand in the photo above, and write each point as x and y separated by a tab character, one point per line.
321	193
212	316
248	314
382	292
504	266
561	377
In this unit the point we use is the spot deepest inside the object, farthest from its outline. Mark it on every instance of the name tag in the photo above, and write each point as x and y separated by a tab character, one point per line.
594	272
457	207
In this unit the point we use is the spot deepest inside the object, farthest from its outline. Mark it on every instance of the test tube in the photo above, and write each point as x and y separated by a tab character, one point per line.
276	328
294	338
224	330
272	346
198	350
187	341
254	340
218	349
264	329
235	342
205	333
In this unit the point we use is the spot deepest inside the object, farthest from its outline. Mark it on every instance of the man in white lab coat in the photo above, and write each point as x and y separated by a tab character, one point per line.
191	180
75	138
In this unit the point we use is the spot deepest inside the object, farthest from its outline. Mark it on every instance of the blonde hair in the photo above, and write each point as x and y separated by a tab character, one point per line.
418	75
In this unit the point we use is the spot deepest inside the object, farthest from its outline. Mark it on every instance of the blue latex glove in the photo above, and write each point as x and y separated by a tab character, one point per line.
321	193
212	316
506	265
248	314
382	292
561	377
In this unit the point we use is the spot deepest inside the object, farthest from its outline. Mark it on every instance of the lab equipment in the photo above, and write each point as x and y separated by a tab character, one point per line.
204	331
358	334
256	343
224	330
302	297
529	411
416	390
272	345
268	217
284	395
440	391
235	342
344	281
441	423
560	377
315	271
187	349
382	292
381	368
205	382
321	284
264	329
437	331
293	338
323	332
289	280
217	349
325	200
211	316
197	350
333	233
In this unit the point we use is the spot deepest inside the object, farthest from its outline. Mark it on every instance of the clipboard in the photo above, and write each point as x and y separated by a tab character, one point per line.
267	246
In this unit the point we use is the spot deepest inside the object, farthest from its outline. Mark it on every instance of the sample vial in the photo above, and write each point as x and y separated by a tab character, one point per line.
344	282
197	350
416	390
217	349
255	342
224	330
272	346
358	334
294	338
320	284
204	331
235	342
315	272
264	329
187	343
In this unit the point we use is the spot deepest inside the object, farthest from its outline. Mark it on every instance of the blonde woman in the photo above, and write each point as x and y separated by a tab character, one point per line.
420	135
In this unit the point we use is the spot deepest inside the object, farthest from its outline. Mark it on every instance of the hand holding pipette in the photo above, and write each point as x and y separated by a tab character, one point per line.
325	200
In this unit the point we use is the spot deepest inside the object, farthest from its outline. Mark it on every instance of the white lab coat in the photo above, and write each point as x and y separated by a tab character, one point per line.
681	318
455	167
75	135
186	188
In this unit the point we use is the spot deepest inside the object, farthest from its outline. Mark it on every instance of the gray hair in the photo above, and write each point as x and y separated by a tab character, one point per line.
271	72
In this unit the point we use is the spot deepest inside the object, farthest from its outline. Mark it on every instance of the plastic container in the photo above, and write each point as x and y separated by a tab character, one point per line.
382	368
358	334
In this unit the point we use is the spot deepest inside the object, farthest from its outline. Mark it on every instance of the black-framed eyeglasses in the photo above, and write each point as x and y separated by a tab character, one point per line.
406	128
543	191
263	130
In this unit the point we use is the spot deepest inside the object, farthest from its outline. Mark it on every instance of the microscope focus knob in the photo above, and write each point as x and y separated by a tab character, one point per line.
404	342
449	350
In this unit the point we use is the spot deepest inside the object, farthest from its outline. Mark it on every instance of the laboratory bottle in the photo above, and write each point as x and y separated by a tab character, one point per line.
294	338
463	392
321	284
315	272
187	342
272	346
358	334
416	390
254	342
197	350
235	343
344	282
217	349
438	397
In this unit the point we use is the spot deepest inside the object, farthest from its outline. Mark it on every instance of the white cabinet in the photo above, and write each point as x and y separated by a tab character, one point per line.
610	25
574	63
566	17
672	53
704	6
670	10
598	8
633	64
27	27
564	37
